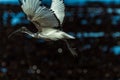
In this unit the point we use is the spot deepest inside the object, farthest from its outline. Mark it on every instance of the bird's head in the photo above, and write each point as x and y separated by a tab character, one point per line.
22	29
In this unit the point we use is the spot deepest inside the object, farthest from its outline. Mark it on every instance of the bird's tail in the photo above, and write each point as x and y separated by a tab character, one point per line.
67	36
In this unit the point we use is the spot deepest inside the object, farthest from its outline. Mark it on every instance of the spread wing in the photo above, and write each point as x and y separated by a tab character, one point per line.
40	15
59	9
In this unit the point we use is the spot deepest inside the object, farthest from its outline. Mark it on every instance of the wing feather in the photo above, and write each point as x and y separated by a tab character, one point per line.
59	9
30	6
45	17
39	14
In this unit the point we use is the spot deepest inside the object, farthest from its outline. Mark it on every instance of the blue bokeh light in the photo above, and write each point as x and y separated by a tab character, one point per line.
116	50
4	70
67	2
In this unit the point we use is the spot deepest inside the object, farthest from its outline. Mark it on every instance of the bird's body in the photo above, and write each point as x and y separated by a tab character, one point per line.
47	34
54	34
45	20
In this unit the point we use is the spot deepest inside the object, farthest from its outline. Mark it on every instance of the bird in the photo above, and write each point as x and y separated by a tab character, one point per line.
46	20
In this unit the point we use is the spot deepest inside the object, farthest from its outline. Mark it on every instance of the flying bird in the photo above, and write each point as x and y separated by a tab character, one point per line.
46	20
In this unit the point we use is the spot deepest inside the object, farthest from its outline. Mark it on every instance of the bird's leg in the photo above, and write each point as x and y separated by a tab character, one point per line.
70	48
68	45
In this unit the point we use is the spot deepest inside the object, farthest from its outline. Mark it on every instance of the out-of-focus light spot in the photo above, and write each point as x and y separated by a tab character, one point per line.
38	71
114	23
79	35
104	48
98	21
116	50
109	1
91	15
75	2
80	14
85	34
87	46
15	21
116	2
34	67
31	71
93	34
3	64
12	2
60	50
84	22
116	34
69	14
93	11
88	34
4	70
14	18
117	10
110	10
115	19
5	18
85	71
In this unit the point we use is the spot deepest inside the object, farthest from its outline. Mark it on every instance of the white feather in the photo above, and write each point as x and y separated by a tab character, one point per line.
55	34
40	14
30	6
45	17
59	9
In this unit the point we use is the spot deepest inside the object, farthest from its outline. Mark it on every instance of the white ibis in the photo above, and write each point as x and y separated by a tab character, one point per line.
46	20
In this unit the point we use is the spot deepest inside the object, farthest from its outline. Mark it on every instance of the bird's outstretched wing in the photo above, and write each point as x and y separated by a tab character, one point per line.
59	9
38	14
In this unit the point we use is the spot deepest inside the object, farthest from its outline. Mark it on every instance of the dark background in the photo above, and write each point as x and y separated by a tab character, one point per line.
94	23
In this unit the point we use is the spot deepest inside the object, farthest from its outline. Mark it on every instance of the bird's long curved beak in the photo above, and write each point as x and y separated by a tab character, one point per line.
14	33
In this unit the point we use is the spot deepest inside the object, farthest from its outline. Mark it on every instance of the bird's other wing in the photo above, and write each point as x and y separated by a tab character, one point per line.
59	9
30	6
45	17
39	15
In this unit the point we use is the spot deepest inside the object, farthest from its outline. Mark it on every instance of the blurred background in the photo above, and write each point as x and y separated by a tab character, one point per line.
94	23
